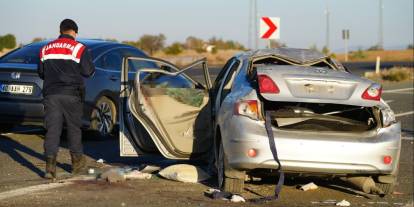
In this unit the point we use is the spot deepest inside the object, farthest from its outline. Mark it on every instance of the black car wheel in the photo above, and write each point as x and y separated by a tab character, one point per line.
228	184
104	116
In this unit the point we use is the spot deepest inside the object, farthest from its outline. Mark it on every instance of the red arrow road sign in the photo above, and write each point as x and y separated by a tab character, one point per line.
272	27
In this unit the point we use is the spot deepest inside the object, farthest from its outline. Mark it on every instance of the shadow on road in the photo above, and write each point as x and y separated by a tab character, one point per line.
14	149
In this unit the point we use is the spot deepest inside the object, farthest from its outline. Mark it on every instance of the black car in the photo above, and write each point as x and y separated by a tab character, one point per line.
21	94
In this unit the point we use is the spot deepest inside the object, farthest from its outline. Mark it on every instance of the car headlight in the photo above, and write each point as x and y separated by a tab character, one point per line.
388	117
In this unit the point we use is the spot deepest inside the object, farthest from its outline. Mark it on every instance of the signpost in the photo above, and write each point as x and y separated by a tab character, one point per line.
345	37
269	28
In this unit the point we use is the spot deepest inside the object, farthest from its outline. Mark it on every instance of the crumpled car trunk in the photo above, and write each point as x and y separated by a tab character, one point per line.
322	117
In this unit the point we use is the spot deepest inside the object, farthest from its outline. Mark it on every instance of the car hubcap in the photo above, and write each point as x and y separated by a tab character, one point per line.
104	117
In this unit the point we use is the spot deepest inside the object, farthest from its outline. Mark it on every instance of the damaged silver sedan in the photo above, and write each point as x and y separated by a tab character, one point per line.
324	120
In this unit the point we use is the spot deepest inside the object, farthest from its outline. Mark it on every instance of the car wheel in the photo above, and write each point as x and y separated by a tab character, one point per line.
227	184
103	117
387	188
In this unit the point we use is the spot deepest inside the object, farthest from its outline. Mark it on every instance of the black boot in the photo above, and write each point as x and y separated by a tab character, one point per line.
78	164
50	167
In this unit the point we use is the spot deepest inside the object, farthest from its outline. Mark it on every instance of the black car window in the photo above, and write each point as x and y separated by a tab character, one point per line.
220	77
228	77
111	60
134	65
27	55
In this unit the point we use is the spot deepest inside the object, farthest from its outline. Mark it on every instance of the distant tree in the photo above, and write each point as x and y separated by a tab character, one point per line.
375	47
152	43
314	47
410	46
276	44
194	43
219	43
325	50
7	41
111	40
132	43
37	39
174	49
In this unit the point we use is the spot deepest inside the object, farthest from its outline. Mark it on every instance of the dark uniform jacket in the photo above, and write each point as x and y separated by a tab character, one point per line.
63	65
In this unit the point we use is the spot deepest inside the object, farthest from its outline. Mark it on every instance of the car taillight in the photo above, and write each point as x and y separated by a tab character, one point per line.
247	108
266	85
373	92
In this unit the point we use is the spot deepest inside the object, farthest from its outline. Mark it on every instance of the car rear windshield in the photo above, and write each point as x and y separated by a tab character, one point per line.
27	55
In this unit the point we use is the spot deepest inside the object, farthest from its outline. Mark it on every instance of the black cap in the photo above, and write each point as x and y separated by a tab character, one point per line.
68	24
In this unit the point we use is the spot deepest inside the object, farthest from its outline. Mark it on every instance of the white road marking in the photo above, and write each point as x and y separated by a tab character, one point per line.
397	90
41	187
404	114
389	101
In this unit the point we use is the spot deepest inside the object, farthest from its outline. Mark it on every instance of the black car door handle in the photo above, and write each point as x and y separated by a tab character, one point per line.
113	78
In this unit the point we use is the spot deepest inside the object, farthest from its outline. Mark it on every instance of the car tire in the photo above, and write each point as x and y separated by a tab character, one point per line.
227	184
103	117
387	188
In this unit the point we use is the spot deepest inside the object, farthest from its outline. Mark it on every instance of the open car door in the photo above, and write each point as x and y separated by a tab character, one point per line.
166	108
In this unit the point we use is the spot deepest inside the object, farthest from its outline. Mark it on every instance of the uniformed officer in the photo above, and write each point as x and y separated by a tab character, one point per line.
64	63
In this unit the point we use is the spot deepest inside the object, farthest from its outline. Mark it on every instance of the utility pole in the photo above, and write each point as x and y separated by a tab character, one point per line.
255	26
250	26
380	32
327	13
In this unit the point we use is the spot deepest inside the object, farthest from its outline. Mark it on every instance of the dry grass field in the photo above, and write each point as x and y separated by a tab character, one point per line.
386	55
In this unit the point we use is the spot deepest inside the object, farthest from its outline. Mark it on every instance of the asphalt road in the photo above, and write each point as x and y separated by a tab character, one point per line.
22	164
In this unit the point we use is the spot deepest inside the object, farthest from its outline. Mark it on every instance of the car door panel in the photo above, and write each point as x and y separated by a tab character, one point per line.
173	108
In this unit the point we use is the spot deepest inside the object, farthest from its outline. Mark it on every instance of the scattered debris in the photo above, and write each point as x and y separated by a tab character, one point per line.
135	174
397	193
149	168
217	194
309	186
329	202
100	161
91	171
114	175
184	173
343	203
237	199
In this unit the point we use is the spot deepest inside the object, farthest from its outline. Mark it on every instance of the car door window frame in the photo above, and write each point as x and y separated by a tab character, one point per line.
230	69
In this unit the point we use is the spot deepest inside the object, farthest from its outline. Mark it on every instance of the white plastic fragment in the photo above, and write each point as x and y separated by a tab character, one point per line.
135	174
343	203
212	190
309	186
184	173
100	160
237	199
91	171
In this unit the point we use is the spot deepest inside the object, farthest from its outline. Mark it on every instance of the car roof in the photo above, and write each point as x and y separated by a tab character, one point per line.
294	54
96	46
90	43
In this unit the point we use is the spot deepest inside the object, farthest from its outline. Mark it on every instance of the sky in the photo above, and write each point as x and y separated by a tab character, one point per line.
302	22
